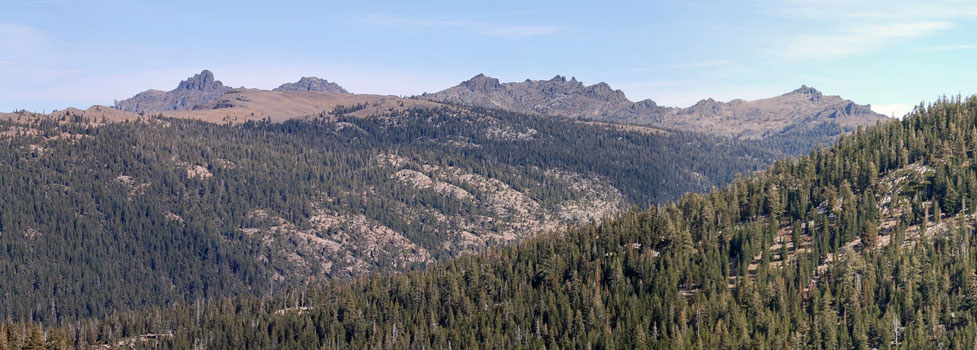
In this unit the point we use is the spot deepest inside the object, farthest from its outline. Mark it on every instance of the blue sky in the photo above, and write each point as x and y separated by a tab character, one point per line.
892	54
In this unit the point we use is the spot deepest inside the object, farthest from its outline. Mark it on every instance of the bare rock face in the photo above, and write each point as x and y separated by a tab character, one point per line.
804	111
198	89
200	82
312	84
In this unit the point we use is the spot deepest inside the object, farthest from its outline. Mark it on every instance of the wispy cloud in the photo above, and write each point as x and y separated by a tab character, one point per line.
856	27
483	28
858	40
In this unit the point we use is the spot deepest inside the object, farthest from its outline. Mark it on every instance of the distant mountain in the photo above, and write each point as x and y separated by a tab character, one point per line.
803	108
202	98
312	84
803	111
198	89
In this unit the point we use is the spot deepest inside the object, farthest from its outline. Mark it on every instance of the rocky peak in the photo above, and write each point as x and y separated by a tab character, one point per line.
561	82
707	106
201	82
706	103
646	103
814	94
602	87
481	82
313	84
604	91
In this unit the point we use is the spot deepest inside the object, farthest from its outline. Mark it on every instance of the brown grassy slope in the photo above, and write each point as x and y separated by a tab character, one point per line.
241	105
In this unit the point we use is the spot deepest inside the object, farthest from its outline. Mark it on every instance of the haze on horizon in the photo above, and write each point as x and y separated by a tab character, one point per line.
893	55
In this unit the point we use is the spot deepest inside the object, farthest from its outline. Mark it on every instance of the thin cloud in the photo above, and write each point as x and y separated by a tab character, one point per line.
859	40
483	28
861	26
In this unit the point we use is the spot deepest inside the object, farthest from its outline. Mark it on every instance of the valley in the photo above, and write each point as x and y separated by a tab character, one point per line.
648	175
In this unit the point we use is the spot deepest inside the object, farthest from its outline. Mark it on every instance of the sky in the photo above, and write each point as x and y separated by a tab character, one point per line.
892	54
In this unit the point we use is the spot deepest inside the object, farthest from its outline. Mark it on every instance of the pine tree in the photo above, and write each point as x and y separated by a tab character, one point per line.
35	340
870	234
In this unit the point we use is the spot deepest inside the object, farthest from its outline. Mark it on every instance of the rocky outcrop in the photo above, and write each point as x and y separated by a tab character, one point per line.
198	89
312	84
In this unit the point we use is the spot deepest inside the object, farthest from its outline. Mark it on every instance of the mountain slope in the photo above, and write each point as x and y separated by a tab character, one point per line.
795	113
868	244
198	89
241	105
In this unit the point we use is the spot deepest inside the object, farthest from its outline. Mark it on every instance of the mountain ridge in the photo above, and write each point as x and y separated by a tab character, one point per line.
203	91
797	120
551	96
737	118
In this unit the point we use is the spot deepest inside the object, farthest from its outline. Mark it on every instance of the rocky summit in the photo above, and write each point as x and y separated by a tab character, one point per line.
198	89
313	84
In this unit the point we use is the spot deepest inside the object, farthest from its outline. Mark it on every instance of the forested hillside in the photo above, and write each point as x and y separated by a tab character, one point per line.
101	217
863	245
